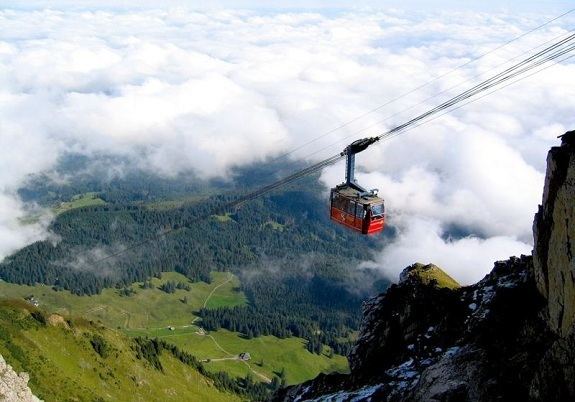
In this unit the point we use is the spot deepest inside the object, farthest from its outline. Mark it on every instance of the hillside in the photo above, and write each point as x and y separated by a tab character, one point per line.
148	310
511	336
139	305
76	360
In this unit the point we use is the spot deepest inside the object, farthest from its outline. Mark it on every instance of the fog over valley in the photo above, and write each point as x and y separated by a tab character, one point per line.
177	90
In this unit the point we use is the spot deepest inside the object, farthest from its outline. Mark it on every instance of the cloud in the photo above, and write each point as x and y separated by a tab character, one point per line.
412	5
95	260
14	231
464	259
178	89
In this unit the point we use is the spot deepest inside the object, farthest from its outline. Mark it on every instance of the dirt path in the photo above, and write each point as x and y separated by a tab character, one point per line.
94	309
230	277
219	346
201	332
220	359
260	375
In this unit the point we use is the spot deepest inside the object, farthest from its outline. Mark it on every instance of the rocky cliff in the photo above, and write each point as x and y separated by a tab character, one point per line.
511	336
14	386
554	235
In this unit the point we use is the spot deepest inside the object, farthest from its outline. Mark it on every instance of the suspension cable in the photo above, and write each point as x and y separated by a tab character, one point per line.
424	85
424	101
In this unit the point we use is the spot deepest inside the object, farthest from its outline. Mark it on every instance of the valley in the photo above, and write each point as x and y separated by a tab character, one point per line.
154	313
223	292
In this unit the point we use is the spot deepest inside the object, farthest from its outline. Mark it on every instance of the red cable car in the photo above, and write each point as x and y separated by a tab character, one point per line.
351	204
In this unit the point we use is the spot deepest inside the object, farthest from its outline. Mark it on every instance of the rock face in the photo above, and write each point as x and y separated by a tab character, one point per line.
13	386
509	337
554	234
554	268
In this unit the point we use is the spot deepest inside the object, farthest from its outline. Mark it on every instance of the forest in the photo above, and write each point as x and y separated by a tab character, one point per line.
295	266
309	297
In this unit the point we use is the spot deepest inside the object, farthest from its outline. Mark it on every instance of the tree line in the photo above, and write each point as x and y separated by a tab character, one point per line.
310	297
194	248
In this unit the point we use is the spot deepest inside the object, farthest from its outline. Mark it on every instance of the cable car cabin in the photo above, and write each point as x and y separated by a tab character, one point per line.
357	209
351	204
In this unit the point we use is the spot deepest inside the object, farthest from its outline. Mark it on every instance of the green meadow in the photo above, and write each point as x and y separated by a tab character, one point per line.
172	316
79	201
64	366
269	355
146	308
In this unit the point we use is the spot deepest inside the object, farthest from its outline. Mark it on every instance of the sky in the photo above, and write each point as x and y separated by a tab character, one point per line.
211	86
322	5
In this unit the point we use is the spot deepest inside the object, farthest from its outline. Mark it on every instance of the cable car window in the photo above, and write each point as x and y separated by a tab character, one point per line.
377	210
351	208
340	202
360	211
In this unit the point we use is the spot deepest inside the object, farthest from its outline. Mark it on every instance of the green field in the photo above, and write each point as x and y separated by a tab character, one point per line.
274	225
269	355
223	218
79	201
150	312
147	308
63	365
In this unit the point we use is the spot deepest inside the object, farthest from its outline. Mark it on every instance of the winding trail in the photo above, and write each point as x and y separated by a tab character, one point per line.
219	346
230	277
202	332
260	375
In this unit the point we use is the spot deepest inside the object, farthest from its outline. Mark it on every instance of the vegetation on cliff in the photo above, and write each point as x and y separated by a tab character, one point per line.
429	274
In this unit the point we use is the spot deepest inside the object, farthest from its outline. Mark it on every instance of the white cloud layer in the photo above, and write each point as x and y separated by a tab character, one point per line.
209	90
466	259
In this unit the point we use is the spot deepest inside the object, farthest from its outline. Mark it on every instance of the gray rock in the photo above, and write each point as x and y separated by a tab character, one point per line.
554	235
14	386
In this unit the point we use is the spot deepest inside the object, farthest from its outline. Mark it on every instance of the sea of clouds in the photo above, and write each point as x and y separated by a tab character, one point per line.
208	90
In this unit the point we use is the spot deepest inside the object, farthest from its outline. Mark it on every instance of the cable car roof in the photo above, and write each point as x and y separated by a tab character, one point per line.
362	197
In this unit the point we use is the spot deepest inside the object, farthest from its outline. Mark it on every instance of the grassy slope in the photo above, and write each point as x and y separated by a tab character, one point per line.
430	272
223	218
64	367
148	308
150	311
275	354
275	225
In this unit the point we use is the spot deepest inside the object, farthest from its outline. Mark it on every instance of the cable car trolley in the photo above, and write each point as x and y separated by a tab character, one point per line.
351	204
